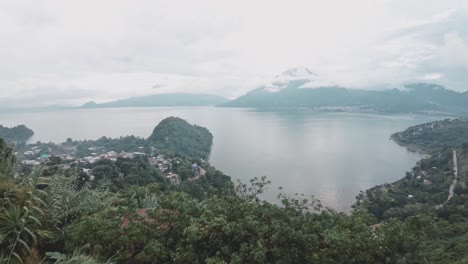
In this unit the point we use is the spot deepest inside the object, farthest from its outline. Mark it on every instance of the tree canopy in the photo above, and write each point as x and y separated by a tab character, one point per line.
16	134
176	136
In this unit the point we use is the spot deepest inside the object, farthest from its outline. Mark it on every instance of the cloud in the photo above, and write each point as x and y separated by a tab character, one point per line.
431	77
439	49
45	95
69	52
454	51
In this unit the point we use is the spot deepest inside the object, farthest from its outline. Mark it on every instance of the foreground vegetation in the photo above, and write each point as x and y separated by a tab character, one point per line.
129	213
57	215
56	218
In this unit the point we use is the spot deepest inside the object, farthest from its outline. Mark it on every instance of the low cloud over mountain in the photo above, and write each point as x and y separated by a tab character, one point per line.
85	48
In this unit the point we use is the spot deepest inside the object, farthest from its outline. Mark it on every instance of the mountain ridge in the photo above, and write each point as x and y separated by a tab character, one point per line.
314	93
155	100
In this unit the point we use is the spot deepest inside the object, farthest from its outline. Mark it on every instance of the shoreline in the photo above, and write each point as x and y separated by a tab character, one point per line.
410	147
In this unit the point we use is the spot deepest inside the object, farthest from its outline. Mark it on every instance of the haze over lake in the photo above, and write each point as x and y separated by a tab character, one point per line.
330	155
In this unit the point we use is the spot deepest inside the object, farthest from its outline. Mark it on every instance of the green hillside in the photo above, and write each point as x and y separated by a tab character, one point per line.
176	136
435	136
16	134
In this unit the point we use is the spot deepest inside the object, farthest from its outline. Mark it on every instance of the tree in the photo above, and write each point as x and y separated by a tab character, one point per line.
7	161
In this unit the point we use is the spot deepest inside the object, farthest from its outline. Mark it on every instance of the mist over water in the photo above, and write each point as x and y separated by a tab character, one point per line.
332	156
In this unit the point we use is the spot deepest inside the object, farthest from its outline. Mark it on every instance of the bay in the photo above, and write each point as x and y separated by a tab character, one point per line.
329	155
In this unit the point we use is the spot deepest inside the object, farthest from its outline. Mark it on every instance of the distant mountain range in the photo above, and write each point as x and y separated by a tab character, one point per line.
177	99
301	88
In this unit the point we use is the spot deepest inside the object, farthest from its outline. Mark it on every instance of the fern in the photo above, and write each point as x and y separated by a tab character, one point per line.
61	195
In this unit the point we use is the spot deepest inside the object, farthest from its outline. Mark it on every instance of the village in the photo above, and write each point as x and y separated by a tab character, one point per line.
36	156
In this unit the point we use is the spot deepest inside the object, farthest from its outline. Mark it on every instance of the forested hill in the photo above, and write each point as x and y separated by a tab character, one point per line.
176	136
16	134
435	136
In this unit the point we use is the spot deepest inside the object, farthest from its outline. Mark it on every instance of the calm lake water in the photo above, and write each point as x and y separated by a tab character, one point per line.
332	156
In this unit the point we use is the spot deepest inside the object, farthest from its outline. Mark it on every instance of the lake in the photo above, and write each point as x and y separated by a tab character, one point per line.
330	155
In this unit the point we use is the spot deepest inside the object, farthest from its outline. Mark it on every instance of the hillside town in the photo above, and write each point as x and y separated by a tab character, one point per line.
38	154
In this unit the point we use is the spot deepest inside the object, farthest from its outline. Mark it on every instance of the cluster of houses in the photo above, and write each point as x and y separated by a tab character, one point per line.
34	152
110	155
33	157
161	162
164	164
94	157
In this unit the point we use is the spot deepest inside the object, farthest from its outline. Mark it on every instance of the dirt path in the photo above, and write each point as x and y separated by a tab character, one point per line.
455	169
454	182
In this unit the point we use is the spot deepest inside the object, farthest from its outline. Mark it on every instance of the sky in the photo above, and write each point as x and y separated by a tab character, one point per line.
71	52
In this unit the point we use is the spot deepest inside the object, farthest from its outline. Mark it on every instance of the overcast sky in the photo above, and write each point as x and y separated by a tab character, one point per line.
70	52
